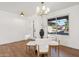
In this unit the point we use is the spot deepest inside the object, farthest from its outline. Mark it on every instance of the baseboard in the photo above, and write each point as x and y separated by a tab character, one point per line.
16	41
69	47
11	42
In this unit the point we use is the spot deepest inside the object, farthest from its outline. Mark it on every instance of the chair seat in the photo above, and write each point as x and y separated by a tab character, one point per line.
31	43
43	49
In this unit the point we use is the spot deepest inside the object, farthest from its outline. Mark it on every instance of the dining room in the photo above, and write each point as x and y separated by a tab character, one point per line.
39	29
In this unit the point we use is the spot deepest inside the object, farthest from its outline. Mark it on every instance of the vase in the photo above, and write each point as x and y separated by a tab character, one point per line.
41	33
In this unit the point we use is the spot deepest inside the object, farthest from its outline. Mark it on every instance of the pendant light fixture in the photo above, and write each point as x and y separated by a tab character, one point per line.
22	13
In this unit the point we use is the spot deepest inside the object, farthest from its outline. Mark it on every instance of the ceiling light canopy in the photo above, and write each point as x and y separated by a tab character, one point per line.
42	10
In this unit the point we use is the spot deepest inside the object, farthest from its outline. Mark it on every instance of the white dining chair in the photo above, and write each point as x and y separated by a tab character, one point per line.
42	47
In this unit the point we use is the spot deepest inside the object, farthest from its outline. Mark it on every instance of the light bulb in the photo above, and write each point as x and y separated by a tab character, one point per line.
48	10
22	15
43	7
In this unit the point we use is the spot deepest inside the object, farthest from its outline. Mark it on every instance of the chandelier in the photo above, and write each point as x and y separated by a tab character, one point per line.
42	10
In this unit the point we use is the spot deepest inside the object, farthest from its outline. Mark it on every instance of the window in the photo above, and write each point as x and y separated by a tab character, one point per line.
58	25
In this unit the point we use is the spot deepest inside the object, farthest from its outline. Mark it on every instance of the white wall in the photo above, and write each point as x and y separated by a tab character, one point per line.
12	27
73	39
38	20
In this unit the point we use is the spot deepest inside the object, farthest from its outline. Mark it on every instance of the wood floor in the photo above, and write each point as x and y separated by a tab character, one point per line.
14	49
68	52
18	49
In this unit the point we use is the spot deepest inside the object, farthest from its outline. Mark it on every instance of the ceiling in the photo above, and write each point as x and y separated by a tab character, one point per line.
29	8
